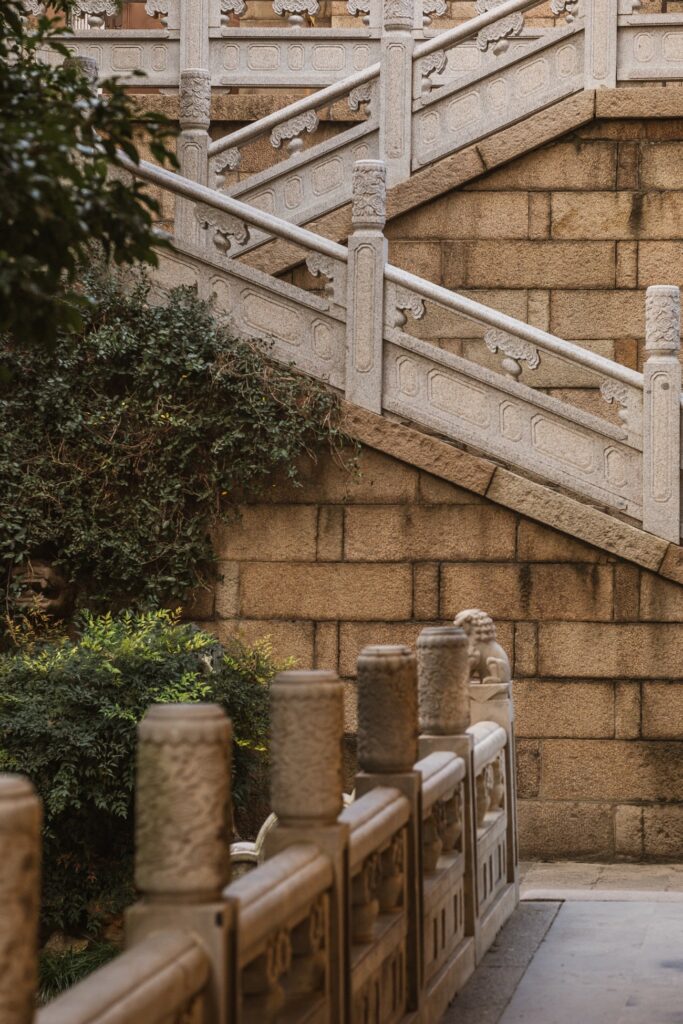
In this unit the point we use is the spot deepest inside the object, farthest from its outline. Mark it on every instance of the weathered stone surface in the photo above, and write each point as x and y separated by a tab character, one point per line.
579	315
660	261
563	709
441	532
420	258
435	491
326	649
631	102
627	710
662	713
628	831
557	830
528	768
621	770
661	600
330	534
425	590
663	832
536	543
603	650
578	520
537	591
466	215
529	264
326	591
604	215
227	589
276	533
525	660
419	450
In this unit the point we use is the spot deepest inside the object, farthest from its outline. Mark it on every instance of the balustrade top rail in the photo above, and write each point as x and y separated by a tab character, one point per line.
426	289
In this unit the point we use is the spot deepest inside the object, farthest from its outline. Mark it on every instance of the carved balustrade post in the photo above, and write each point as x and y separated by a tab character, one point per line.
491	701
368	253
20	821
307	729
387	752
662	413
396	86
600	60
182	833
443	675
193	145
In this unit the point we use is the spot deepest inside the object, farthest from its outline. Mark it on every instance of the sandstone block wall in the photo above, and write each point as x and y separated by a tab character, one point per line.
596	643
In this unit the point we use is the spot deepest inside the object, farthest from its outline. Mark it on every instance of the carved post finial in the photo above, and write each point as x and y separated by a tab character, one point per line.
195	99
183	802
662	412
443	673
488	660
88	67
20	821
387	709
307	728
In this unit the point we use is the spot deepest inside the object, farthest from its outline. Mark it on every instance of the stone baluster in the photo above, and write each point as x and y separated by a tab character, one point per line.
182	833
368	254
600	60
307	729
20	821
491	701
387	752
443	673
662	413
193	144
399	17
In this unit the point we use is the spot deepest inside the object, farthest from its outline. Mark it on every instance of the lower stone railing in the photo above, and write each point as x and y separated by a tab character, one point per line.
374	912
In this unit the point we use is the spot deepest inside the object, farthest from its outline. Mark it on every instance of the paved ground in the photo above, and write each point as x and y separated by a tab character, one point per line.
590	943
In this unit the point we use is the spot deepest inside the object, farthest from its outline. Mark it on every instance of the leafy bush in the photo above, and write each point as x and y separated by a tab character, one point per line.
59	970
69	711
121	449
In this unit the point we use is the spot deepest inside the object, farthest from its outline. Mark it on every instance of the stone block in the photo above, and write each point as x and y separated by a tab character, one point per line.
419	450
628	832
610	650
564	709
465	215
227	589
539	215
421	258
270	533
533	131
628	161
576	518
626	585
293	639
627	711
529	264
326	646
662	712
621	770
660	262
330	533
627	265
560	165
661	165
538	309
672	564
199	605
580	314
638	101
562	830
616	215
433	181
528	768
426	590
379	478
425	532
663	832
537	543
626	352
534	591
661	600
326	591
434	491
525	659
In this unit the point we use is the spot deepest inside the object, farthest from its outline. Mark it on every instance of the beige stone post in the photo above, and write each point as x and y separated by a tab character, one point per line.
368	254
491	701
193	146
182	832
307	729
396	87
662	413
387	752
443	674
600	60
20	849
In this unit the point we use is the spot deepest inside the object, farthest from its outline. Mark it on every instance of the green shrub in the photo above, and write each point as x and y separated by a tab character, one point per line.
69	711
123	447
